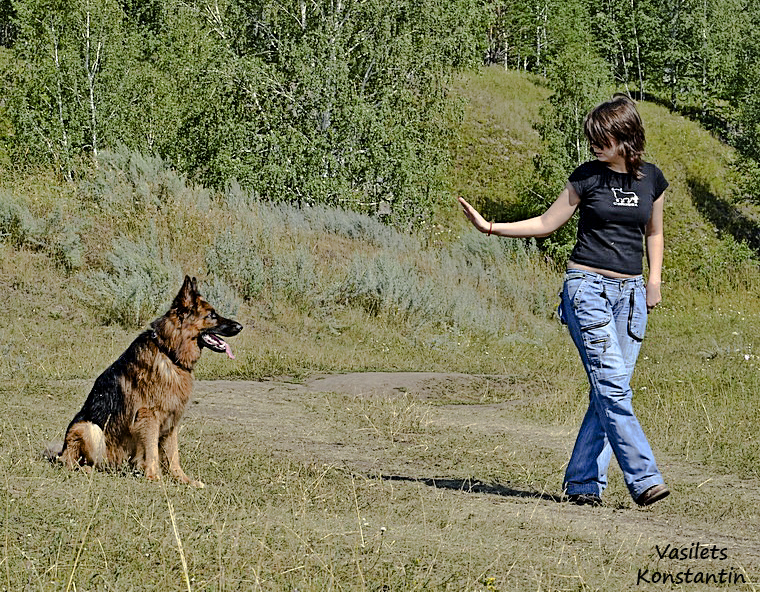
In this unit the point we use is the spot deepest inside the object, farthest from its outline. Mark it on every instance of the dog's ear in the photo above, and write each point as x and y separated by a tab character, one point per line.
185	298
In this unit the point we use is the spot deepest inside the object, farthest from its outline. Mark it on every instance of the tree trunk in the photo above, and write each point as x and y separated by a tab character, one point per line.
91	67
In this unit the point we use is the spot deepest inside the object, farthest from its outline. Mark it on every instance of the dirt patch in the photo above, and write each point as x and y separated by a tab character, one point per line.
299	420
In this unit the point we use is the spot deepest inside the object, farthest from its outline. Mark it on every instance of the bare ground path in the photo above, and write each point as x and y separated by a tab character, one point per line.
312	422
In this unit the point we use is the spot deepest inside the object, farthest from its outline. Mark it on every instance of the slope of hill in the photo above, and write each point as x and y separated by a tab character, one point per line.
445	476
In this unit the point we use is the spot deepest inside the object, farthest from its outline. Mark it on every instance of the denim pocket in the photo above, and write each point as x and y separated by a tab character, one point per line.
571	287
637	313
589	303
575	283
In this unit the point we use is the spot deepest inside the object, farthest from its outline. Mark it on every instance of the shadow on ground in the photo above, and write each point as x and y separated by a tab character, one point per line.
725	216
470	486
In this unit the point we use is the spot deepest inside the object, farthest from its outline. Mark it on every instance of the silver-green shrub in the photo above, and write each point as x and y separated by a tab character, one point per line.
57	235
136	285
236	258
127	183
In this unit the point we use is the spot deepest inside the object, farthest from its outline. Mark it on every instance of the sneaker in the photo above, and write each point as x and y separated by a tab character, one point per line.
653	494
585	499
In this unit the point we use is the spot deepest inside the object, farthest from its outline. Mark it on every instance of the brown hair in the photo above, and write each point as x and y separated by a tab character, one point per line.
618	120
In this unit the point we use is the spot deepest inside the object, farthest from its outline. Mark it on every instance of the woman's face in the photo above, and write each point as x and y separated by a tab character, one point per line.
606	153
611	155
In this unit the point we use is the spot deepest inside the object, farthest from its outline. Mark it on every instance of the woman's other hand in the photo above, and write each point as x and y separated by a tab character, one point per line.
654	296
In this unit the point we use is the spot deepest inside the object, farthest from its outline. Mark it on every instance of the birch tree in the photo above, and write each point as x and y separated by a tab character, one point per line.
59	96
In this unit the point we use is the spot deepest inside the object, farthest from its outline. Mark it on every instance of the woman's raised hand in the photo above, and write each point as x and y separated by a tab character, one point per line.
474	216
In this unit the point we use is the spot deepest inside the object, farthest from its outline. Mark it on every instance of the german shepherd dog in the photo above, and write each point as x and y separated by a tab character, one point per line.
135	406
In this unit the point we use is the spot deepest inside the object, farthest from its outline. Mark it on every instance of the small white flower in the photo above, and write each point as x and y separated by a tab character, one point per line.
747	356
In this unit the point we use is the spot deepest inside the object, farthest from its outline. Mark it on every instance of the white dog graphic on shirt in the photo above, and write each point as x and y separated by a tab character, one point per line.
627	199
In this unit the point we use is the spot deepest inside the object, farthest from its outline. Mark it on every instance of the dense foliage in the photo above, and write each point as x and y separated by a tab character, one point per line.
339	102
344	102
698	56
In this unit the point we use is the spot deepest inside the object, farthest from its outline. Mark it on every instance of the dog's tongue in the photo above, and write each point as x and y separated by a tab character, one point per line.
217	342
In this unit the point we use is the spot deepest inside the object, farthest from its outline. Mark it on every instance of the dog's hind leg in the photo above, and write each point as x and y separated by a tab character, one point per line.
84	445
170	445
146	431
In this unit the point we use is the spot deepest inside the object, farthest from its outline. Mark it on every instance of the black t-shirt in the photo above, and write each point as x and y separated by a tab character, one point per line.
614	211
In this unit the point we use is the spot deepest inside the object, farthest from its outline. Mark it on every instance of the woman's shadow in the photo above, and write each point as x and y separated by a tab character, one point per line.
471	486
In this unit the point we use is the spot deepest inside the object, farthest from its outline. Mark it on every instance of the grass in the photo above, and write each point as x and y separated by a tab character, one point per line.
493	155
453	508
403	493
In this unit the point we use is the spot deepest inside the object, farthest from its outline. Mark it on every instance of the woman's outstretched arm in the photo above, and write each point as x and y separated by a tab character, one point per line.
555	216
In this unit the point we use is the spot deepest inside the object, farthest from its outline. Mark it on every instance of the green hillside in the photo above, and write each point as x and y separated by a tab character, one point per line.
86	264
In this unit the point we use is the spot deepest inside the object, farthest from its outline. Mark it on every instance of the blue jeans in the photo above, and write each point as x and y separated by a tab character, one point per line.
607	320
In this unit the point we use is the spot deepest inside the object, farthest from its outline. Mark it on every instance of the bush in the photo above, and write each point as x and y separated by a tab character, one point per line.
17	225
136	284
56	234
384	284
128	183
235	258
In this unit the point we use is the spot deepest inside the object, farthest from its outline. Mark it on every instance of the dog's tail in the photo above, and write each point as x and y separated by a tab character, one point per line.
85	444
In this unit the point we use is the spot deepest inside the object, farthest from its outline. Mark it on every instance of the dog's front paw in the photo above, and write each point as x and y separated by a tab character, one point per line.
180	476
188	481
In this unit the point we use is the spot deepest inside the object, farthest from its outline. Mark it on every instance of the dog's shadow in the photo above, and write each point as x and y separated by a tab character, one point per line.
471	486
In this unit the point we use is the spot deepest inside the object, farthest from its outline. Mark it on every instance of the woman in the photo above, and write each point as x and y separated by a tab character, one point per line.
604	299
